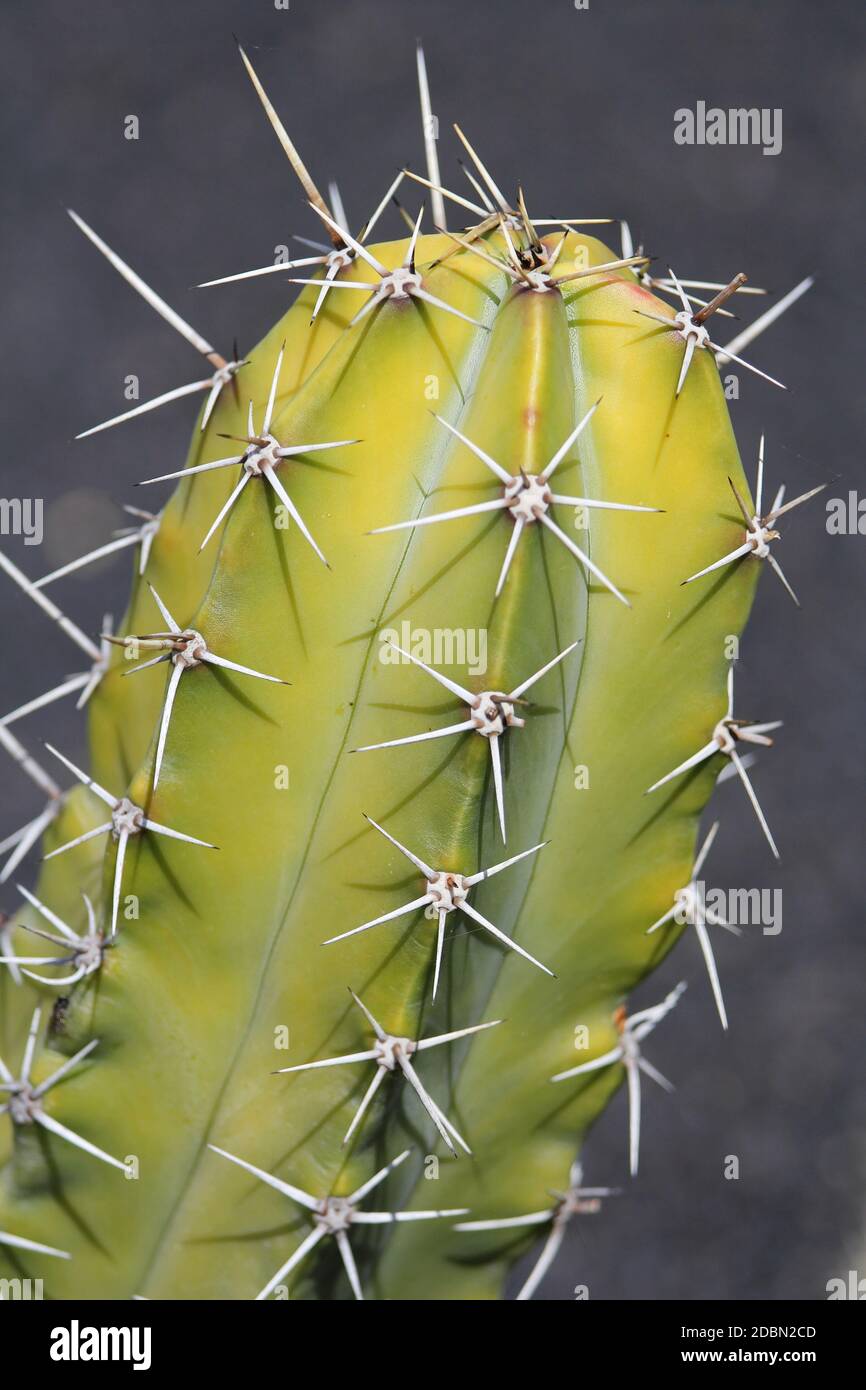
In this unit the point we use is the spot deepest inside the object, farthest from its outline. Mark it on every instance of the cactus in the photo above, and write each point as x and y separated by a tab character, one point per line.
336	901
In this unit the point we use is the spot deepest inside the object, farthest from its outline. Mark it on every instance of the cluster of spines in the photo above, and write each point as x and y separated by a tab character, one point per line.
532	266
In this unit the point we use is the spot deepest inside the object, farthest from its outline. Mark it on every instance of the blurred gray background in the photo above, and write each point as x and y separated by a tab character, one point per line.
579	105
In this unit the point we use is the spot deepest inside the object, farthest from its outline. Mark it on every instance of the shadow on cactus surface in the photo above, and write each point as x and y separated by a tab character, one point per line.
416	610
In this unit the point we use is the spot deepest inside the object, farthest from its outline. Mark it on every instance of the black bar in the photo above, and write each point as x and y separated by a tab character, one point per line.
626	1337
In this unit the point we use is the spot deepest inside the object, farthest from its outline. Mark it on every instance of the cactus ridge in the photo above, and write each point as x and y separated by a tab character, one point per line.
398	505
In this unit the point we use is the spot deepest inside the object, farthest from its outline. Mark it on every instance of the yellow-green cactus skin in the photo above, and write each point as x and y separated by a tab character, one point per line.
217	976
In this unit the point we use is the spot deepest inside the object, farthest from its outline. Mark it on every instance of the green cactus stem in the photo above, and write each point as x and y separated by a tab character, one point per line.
509	452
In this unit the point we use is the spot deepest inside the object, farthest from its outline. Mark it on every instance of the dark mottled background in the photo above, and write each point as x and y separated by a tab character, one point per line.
579	105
